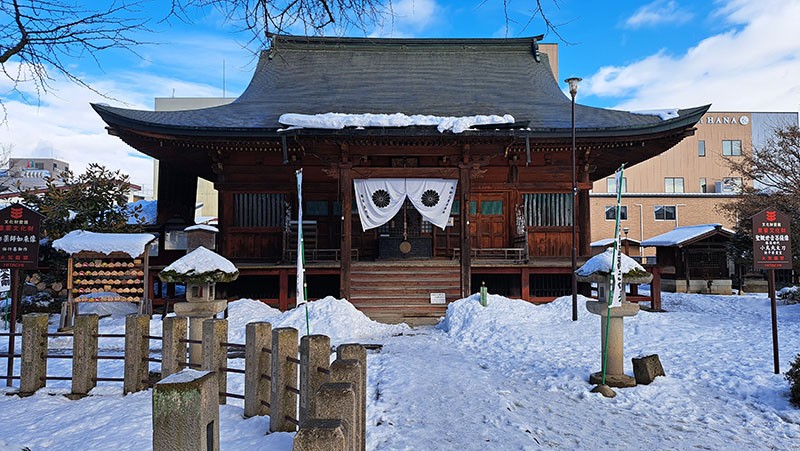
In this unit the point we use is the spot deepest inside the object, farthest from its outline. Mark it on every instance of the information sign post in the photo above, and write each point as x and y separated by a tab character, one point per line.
772	249
20	231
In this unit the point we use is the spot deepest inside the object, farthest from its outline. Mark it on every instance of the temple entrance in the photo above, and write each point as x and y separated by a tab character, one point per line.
406	235
487	222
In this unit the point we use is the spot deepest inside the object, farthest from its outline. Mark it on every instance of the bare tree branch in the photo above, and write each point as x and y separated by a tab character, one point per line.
38	37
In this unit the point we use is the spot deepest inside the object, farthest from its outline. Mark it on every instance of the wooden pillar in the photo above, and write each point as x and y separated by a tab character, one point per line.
584	223
465	243
346	194
283	292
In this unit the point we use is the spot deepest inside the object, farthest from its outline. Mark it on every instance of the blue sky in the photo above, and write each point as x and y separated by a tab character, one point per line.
739	55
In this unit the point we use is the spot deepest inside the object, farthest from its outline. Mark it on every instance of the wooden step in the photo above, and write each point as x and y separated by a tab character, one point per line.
397	292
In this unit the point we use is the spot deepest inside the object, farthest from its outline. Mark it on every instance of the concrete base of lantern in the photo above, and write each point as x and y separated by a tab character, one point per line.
613	380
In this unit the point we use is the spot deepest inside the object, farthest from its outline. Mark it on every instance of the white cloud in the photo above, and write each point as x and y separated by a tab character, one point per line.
658	12
63	125
409	18
753	65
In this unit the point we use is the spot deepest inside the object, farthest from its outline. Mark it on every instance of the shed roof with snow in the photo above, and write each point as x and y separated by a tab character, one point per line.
686	235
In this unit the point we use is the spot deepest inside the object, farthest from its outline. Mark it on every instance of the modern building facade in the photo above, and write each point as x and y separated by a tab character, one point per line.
685	185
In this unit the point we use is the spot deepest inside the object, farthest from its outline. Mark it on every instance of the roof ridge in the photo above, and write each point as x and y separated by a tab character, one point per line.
348	41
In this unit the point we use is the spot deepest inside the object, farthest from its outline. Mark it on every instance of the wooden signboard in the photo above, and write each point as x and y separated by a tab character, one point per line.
772	240
772	249
20	231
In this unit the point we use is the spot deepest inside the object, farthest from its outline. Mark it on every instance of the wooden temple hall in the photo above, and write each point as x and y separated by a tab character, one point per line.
448	165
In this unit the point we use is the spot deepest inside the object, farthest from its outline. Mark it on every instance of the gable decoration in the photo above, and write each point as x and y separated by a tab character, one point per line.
379	200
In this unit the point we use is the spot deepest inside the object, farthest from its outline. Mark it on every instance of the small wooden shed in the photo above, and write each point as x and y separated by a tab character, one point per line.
694	259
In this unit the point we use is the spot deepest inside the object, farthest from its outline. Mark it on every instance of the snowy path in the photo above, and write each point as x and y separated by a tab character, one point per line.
526	389
416	381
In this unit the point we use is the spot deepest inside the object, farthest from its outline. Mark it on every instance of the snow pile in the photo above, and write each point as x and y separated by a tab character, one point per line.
200	265
468	320
664	114
336	318
338	121
76	241
601	264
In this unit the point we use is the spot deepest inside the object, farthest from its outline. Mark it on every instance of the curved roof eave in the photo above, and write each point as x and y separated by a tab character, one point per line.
116	117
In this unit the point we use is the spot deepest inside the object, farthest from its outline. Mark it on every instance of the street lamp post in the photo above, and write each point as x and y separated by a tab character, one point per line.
573	91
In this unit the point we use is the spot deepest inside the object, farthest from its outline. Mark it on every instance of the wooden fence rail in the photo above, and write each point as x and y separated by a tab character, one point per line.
282	379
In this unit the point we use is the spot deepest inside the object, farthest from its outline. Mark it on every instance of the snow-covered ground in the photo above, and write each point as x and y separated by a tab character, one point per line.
508	376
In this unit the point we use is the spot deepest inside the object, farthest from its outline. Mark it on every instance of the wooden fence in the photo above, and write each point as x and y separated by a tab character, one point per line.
296	385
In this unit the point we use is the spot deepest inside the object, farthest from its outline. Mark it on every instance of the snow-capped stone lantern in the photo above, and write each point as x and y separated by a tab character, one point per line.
598	270
200	269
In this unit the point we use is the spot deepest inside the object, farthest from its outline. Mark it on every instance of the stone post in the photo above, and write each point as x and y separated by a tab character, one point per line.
197	312
195	334
137	351
350	371
355	351
173	350
315	362
84	355
215	354
283	401
257	368
611	322
321	435
34	353
185	412
338	401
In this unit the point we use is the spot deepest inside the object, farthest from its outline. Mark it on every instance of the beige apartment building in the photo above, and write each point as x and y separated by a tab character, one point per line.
687	184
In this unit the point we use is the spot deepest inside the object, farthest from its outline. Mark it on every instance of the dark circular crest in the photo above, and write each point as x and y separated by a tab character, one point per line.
381	198
430	198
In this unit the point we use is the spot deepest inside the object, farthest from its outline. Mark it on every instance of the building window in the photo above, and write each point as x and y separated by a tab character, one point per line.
492	207
611	185
703	185
548	209
664	212
611	211
731	148
316	208
175	240
701	148
259	209
673	184
731	184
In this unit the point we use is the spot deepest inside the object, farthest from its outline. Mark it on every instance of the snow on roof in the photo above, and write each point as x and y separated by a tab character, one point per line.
200	265
664	114
680	235
338	121
609	242
601	264
205	227
76	241
148	214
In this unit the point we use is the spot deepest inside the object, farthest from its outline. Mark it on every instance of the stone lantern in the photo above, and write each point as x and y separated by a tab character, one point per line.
200	269
598	269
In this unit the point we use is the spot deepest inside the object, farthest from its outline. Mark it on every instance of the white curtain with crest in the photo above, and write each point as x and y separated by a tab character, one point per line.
379	200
